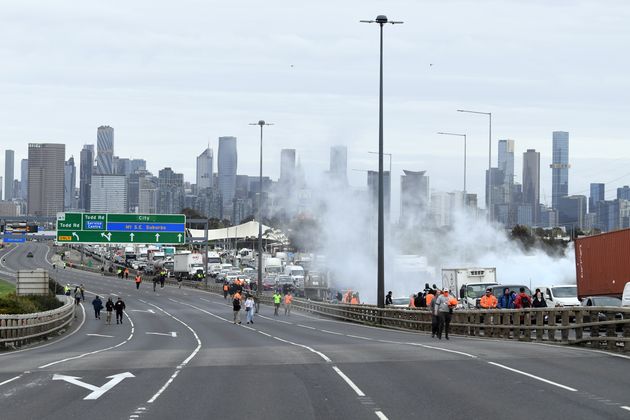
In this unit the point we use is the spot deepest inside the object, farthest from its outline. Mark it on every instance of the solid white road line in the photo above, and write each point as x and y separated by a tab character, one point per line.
10	380
100	335
320	354
349	381
380	415
472	356
96	351
538	378
331	332
182	364
625	407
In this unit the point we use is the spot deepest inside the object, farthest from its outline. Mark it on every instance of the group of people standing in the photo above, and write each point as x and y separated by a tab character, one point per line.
512	300
278	299
250	307
110	306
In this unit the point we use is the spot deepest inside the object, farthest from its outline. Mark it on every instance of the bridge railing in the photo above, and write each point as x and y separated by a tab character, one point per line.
17	330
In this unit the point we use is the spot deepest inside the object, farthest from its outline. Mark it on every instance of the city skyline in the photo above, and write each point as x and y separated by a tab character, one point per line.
326	81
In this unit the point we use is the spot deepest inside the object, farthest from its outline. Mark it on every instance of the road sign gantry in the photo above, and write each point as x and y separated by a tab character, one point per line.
118	228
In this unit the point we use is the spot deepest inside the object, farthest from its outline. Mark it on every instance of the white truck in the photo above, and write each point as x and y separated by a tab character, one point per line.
214	263
468	284
272	266
297	275
187	265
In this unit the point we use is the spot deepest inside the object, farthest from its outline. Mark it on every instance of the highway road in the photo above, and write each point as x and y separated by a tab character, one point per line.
178	354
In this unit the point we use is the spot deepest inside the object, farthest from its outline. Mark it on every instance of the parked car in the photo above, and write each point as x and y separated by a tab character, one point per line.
610	301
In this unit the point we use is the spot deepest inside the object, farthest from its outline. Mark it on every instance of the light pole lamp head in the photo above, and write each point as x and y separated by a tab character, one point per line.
261	122
381	19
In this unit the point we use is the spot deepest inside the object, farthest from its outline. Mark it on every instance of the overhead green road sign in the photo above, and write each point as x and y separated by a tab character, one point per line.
121	228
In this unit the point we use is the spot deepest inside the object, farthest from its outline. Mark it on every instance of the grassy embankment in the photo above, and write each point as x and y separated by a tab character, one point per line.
10	304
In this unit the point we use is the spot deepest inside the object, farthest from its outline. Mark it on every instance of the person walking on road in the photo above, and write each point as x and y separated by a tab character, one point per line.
226	289
119	307
277	298
435	314
82	289
288	301
77	295
109	308
236	307
126	273
138	281
444	303
98	305
155	282
249	309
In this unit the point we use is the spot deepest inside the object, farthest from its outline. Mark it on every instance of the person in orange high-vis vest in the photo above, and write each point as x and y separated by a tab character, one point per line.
412	301
226	289
355	299
488	301
138	281
288	300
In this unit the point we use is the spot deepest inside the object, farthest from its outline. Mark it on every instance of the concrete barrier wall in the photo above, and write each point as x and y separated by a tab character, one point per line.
17	330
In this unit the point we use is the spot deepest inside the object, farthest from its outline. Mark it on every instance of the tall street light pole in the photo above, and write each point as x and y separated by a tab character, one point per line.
259	289
464	136
380	302
489	114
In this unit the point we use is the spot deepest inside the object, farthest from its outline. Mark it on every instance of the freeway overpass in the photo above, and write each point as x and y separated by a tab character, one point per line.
178	354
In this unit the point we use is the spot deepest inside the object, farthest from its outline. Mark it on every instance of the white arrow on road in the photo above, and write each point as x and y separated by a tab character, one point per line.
131	235
171	334
157	237
179	237
100	335
96	391
142	310
76	236
107	235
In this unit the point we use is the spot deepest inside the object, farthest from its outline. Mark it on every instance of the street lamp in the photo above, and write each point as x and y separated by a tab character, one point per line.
464	136
261	123
380	299
489	114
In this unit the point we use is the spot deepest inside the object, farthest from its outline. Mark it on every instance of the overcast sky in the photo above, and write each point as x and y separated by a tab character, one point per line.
172	76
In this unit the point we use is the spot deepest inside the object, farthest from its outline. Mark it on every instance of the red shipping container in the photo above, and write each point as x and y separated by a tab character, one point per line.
602	263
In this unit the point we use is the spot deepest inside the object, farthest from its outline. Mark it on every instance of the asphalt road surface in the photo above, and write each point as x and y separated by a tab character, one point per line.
178	355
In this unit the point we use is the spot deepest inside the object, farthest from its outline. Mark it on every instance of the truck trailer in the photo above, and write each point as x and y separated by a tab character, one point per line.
602	263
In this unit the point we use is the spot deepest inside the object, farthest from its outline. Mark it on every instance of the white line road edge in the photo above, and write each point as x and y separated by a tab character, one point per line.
179	368
11	380
96	351
529	375
352	385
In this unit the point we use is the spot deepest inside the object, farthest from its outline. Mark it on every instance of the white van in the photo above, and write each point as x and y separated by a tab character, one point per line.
625	298
565	295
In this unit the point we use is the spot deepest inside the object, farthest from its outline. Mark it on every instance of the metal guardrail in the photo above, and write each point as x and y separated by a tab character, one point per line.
605	328
21	329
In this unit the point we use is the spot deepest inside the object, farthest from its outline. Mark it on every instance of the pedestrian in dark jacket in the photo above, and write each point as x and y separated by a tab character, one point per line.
109	308
98	305
506	301
388	298
119	307
538	300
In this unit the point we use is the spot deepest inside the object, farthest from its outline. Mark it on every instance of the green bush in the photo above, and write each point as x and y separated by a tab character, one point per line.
10	304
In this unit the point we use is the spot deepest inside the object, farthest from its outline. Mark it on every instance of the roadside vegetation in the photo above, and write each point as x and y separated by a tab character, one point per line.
12	304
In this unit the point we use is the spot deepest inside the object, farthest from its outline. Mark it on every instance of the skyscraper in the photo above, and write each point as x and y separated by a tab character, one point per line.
597	195
9	174
85	176
105	150
572	212
69	184
24	179
414	196
227	164
287	166
623	193
45	178
108	194
531	182
170	192
559	167
339	164
372	182
204	169
506	160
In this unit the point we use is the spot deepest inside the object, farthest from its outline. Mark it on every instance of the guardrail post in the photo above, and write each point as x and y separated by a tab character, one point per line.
527	330
540	325
551	323
564	334
579	320
626	334
594	328
610	331
506	316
